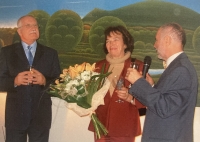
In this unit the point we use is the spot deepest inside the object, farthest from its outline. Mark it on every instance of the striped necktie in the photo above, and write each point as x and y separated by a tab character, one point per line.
30	56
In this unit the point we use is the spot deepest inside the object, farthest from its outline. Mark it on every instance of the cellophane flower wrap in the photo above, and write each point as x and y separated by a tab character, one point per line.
83	90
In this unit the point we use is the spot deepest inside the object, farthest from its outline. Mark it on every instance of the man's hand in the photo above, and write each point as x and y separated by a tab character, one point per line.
23	78
149	79
38	78
132	75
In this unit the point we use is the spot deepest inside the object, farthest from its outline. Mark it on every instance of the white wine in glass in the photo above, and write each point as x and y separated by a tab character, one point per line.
118	82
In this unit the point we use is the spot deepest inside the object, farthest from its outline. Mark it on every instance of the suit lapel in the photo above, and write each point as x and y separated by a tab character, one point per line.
171	66
38	54
21	54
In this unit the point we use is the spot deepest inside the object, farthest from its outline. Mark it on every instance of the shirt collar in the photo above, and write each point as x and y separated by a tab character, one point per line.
171	58
33	46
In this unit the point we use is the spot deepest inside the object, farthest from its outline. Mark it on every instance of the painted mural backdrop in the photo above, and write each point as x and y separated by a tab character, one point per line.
75	28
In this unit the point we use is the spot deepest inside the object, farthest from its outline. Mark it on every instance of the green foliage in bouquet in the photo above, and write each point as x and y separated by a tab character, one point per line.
77	85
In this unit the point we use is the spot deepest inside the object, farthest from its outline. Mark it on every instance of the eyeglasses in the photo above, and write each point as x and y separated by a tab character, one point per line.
28	26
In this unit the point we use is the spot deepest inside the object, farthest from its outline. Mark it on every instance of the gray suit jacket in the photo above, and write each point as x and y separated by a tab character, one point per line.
170	104
27	104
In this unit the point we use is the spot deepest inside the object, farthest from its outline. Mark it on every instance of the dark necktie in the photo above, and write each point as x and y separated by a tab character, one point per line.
30	56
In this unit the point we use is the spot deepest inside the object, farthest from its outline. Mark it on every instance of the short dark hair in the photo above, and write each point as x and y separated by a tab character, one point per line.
127	37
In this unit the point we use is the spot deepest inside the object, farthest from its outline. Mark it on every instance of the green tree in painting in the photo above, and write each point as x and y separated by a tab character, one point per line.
188	44
64	30
96	35
16	37
139	45
144	35
6	34
42	17
196	40
149	46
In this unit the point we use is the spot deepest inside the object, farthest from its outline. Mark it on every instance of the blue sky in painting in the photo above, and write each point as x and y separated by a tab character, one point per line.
11	10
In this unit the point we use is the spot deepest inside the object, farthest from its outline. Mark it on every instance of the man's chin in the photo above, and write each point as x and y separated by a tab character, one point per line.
160	57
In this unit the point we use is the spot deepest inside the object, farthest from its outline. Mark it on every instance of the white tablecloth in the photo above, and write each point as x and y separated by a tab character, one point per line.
69	127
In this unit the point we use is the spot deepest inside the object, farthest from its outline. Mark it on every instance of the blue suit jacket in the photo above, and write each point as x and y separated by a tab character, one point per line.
25	104
170	104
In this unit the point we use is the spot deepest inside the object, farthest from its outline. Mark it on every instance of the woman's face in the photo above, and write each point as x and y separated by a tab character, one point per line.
115	45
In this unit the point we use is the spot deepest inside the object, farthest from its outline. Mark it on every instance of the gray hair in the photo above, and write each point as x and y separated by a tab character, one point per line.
175	31
20	19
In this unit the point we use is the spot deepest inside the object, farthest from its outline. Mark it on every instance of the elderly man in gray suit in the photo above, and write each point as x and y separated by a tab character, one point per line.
171	102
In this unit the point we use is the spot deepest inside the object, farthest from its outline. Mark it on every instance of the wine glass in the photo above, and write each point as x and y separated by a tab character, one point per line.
134	65
118	82
29	68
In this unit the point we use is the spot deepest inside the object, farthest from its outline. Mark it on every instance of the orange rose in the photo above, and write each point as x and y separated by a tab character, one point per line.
89	67
57	81
65	71
72	72
62	76
80	68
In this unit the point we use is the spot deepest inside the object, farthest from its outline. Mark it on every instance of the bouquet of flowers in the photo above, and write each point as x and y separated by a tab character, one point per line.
83	89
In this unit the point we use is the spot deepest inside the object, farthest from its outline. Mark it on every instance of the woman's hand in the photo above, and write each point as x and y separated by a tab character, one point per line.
123	94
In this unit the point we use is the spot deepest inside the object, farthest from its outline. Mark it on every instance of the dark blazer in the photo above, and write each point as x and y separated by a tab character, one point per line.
171	103
25	104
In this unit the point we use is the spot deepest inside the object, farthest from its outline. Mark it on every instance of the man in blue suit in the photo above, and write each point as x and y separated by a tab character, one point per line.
171	101
28	106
